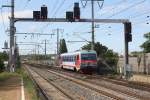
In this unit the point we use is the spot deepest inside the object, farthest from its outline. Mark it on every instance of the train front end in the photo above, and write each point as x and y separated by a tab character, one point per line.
88	61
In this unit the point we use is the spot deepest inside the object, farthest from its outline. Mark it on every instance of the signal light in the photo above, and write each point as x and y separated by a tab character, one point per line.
128	27
44	12
36	15
128	37
69	16
76	11
128	30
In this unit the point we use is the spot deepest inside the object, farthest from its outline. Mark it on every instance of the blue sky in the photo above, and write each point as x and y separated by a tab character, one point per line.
111	35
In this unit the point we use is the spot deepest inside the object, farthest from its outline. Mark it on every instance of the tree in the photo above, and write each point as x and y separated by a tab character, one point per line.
3	57
146	44
135	53
63	47
99	48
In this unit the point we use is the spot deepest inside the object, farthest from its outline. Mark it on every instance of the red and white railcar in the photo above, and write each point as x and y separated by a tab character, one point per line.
79	61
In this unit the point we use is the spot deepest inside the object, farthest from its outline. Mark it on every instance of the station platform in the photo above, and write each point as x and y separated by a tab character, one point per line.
12	89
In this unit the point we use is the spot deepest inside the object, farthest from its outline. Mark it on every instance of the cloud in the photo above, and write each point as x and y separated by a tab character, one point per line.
5	16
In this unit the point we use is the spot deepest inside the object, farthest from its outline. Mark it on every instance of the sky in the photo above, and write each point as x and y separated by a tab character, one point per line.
110	34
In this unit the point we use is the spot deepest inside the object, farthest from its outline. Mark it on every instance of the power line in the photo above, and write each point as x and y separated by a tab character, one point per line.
59	7
3	20
56	11
116	5
26	4
140	14
131	6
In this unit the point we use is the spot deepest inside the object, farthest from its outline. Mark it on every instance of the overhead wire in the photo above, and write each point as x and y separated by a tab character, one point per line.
54	15
129	7
59	7
3	21
116	5
26	4
83	23
139	15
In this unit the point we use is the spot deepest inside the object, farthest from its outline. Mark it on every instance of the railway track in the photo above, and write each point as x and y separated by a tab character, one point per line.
96	87
45	90
134	94
131	84
115	85
78	97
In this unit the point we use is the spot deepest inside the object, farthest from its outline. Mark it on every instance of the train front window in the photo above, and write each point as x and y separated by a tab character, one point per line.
88	56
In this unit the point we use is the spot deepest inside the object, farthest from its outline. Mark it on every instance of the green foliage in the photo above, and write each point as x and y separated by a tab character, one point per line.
6	75
63	47
146	44
111	58
135	53
28	84
99	48
3	57
18	62
1	65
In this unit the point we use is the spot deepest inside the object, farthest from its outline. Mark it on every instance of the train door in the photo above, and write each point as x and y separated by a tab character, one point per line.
77	62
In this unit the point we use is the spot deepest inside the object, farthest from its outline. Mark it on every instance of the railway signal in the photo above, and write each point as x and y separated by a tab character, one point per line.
128	30
75	14
44	12
76	11
69	16
37	15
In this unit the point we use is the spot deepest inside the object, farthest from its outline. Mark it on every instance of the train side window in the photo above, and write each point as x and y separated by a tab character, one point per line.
72	58
65	58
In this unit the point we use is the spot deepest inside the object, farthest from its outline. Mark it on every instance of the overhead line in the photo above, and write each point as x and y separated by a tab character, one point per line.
3	21
59	7
118	3
131	6
56	11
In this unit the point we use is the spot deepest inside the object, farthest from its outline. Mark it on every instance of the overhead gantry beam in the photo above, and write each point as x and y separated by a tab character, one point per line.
65	20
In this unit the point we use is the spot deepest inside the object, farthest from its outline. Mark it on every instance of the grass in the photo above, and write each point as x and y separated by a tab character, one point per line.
28	84
6	75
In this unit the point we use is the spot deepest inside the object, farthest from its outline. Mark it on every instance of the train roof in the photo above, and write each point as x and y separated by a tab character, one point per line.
79	52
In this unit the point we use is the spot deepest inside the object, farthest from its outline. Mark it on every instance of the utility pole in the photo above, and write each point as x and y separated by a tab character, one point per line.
93	39
57	57
57	41
92	11
12	32
45	52
45	48
38	53
58	32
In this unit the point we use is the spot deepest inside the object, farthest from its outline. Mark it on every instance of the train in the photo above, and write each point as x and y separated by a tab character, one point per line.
83	61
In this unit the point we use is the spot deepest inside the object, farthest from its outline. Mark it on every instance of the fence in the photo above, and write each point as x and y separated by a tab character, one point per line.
140	64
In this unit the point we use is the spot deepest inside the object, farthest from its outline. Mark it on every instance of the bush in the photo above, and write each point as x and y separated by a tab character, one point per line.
1	66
